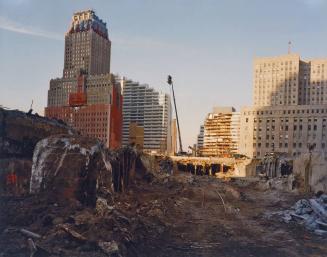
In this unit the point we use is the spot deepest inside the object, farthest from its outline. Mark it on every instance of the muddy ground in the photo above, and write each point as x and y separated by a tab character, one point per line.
178	215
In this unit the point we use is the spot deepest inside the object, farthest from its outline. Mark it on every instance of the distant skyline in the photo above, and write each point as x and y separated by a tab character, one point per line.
207	46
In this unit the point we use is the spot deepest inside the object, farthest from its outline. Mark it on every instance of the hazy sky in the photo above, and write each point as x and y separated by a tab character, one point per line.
206	45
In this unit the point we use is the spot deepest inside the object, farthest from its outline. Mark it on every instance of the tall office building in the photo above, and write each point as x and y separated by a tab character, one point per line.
290	112
148	109
221	132
288	80
87	96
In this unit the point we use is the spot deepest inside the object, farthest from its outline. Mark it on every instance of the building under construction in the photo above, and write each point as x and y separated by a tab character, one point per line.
221	132
87	96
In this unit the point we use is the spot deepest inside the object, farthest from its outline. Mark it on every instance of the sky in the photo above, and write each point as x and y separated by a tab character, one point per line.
207	46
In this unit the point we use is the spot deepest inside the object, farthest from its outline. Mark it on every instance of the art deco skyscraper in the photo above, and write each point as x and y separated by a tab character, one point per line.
87	96
87	46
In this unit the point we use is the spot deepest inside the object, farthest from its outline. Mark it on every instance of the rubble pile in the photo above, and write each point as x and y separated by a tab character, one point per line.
275	165
119	224
73	208
312	213
166	165
19	132
69	167
167	215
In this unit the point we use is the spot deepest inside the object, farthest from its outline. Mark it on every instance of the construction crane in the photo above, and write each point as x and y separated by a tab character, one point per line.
170	82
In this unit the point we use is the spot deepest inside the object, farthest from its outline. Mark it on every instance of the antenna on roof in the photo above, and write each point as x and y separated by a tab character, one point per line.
289	47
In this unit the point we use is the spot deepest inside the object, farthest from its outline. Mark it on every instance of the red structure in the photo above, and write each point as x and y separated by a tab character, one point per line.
79	98
116	118
103	121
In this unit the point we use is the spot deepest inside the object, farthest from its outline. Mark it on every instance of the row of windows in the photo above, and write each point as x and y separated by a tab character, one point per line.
281	145
286	112
295	127
286	120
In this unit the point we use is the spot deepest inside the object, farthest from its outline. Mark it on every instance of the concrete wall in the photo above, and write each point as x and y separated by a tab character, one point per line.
313	169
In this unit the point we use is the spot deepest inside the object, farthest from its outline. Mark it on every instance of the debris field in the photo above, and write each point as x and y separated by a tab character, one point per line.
160	215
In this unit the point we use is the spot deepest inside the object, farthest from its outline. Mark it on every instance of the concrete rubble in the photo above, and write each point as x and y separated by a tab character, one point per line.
312	213
275	165
19	134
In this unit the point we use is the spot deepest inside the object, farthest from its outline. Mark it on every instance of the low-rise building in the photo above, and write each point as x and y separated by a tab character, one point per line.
285	129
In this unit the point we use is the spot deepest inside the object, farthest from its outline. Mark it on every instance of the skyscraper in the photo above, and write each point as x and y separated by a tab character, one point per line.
87	96
289	113
148	109
288	80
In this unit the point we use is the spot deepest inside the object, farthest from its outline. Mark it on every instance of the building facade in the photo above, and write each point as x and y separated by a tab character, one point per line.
285	129
136	135
221	132
199	140
87	97
289	112
288	80
148	109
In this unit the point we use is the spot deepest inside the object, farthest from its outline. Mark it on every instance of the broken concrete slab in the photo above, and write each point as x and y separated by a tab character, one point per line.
311	213
70	166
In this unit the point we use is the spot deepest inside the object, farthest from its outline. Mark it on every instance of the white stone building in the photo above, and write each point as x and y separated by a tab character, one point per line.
152	111
290	107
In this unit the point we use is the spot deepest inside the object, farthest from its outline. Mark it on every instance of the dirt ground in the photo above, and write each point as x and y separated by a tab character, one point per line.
178	215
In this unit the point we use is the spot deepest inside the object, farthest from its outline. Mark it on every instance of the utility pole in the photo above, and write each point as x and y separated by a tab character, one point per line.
170	82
